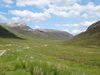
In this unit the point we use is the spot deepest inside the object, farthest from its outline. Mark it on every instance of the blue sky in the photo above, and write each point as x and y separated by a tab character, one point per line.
73	16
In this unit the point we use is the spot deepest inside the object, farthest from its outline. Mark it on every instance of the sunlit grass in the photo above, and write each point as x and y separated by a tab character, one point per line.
47	57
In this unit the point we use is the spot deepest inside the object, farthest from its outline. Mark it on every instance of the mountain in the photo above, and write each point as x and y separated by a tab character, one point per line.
53	33
90	37
22	28
94	28
5	33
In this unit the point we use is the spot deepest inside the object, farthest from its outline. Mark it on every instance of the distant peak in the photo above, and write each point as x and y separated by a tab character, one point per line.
16	23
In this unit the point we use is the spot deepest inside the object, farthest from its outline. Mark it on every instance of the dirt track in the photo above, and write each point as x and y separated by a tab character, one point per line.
2	52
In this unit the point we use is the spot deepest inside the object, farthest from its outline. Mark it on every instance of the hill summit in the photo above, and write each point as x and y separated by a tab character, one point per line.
94	28
16	23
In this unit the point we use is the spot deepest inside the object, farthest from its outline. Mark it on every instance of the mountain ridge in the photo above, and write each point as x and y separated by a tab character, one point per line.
22	28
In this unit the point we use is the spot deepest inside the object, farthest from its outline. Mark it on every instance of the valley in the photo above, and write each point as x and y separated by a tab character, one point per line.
23	54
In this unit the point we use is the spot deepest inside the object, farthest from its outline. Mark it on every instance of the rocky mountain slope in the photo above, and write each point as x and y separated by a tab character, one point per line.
22	28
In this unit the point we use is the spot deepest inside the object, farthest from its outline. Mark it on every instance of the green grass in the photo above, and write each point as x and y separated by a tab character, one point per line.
84	39
47	57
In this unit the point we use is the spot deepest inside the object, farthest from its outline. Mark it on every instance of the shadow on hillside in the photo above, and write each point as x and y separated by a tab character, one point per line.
4	33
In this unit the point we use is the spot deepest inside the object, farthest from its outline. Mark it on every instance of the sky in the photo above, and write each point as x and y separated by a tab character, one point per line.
73	16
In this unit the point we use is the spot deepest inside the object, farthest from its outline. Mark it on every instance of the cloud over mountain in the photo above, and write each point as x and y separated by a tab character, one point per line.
31	16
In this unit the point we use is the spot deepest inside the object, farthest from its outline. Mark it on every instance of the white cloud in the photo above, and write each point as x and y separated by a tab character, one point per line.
3	13
91	11
85	15
75	31
63	2
53	5
67	25
63	13
82	24
3	18
43	3
30	16
38	3
5	5
36	27
16	18
65	30
8	1
87	11
86	23
8	6
64	8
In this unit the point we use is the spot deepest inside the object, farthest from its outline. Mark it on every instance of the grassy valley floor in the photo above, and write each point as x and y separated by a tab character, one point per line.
47	57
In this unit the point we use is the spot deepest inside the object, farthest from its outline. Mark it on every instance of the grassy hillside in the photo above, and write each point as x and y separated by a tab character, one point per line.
4	33
90	37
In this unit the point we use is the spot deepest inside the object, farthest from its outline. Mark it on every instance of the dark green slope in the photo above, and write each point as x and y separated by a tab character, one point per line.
4	33
90	37
94	28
